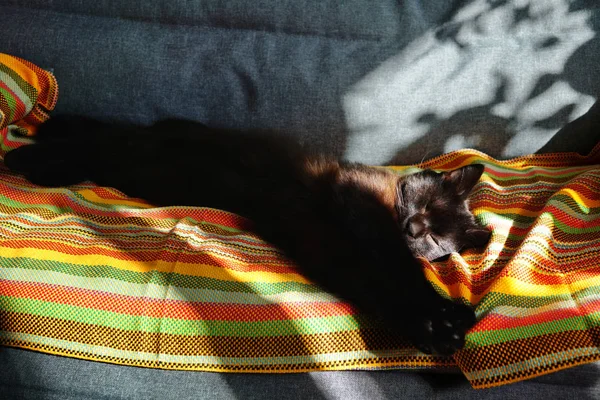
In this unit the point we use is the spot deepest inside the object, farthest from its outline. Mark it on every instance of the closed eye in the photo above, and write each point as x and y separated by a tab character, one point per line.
400	204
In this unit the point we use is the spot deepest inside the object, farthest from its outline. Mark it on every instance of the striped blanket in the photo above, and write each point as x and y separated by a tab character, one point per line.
537	286
87	272
27	93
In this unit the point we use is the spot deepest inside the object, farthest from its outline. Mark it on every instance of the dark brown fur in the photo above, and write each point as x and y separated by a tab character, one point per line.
354	230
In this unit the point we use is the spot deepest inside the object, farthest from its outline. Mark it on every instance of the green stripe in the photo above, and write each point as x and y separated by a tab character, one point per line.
540	245
573	207
570	207
517	173
142	237
12	104
494	299
520	188
524	220
575	230
307	326
167	279
488	338
26	92
151	291
514	310
561	201
488	218
536	363
8	202
13	136
492	168
94	207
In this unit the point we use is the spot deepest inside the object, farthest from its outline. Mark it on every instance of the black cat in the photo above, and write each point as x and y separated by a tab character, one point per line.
352	229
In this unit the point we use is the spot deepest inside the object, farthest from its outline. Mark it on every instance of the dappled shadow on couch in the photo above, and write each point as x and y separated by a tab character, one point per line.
441	92
467	128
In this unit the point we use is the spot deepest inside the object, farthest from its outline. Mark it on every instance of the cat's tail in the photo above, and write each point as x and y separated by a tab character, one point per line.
55	159
45	164
69	128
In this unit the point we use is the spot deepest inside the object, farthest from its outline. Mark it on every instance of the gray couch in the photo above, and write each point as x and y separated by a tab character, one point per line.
372	81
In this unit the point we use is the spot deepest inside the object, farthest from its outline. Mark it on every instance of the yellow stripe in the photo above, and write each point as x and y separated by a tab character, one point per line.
580	199
281	369
548	161
512	286
503	211
455	291
91	196
21	69
200	270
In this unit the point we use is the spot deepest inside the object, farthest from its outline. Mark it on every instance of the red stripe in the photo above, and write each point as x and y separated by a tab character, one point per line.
175	309
60	199
172	255
6	142
496	322
557	213
499	204
535	171
141	230
478	283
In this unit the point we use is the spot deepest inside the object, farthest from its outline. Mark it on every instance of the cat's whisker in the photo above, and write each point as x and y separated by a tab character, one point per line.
420	164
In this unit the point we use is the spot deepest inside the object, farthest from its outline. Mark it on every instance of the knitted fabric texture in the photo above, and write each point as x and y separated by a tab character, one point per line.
27	93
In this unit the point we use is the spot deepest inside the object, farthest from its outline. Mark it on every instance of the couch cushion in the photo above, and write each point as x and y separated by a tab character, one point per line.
249	67
384	82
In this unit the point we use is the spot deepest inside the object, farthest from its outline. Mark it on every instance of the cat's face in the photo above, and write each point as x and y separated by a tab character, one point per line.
433	212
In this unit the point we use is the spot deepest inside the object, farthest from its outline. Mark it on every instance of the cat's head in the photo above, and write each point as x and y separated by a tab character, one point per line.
433	212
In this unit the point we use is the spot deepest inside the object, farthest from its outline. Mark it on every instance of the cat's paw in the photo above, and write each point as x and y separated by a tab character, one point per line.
442	329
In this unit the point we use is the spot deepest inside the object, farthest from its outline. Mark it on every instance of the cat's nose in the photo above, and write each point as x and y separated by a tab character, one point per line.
417	226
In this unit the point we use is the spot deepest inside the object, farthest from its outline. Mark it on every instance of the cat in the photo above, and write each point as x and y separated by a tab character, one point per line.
352	229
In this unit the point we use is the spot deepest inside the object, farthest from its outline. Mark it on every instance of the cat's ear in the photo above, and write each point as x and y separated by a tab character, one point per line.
462	180
478	237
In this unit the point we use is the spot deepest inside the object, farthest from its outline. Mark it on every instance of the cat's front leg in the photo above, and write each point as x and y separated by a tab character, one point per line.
409	305
381	275
441	325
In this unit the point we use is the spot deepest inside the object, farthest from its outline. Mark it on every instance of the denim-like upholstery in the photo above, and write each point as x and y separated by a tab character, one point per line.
277	65
374	81
36	376
377	82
